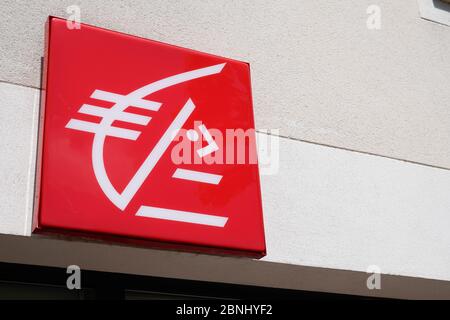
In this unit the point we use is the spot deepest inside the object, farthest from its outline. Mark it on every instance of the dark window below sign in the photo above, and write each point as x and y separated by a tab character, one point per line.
18	281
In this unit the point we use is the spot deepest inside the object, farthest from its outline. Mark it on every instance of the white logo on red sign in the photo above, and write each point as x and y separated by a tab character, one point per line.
105	128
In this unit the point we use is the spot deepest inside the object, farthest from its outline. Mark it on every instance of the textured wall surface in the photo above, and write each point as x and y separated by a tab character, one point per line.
18	127
348	210
319	74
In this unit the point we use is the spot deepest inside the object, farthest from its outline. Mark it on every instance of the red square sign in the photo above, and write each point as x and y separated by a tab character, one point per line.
144	141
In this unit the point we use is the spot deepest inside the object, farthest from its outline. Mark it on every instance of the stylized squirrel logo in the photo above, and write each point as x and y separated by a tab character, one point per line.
117	112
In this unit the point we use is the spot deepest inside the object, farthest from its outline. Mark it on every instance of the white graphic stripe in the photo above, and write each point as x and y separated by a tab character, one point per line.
154	156
96	127
176	79
212	145
122	116
182	216
126	100
121	200
197	176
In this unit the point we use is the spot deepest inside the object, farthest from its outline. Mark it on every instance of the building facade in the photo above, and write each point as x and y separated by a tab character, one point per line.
354	94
